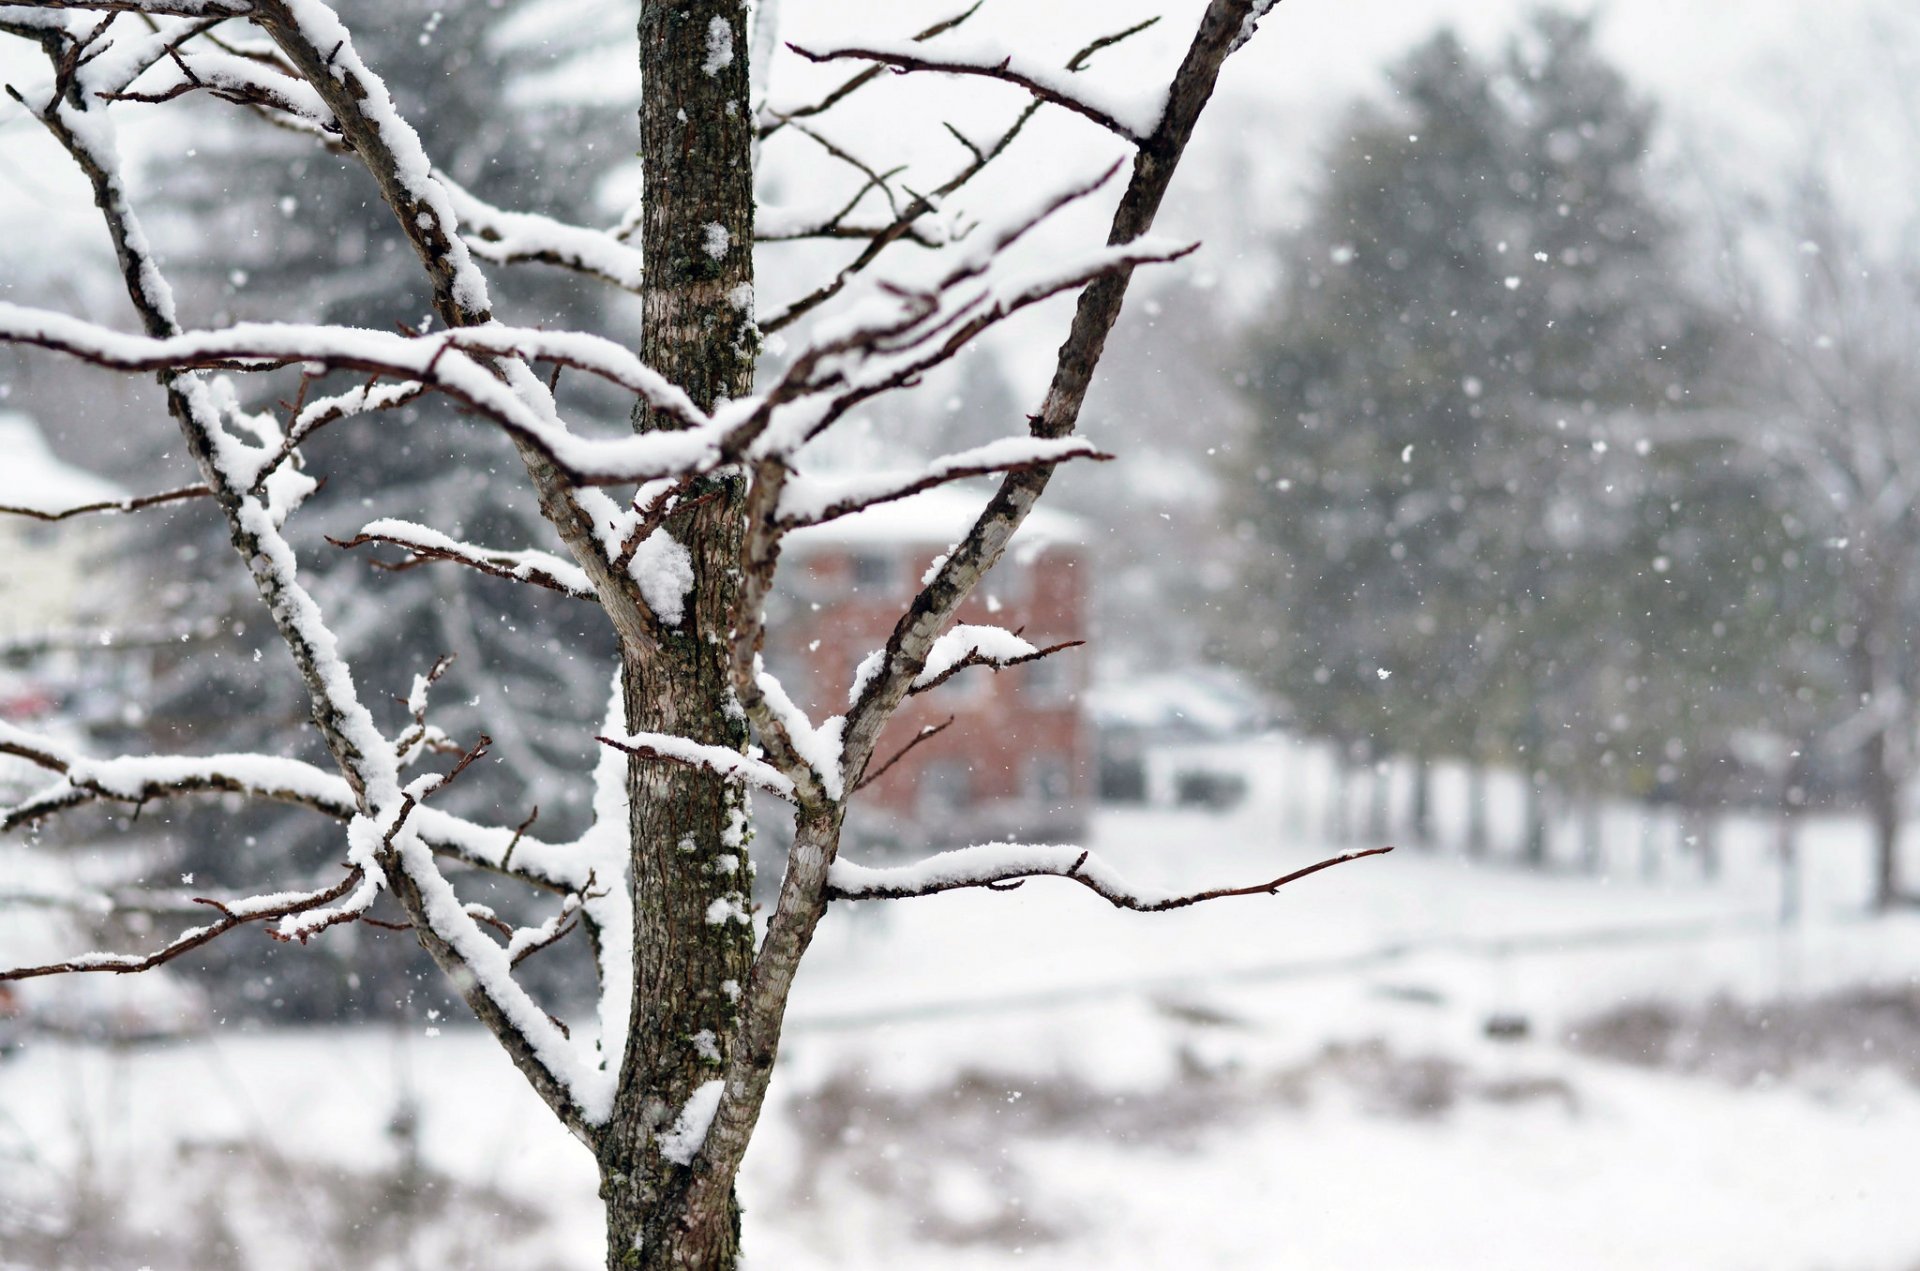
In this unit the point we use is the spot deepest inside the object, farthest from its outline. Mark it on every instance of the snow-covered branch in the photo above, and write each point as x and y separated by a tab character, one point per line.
543	569
155	8
444	360
728	763
132	504
968	645
813	500
1002	866
907	220
279	906
138	779
506	237
772	120
1223	28
1133	120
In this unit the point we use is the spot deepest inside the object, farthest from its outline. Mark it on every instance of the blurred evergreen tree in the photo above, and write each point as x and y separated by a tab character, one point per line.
1483	288
249	226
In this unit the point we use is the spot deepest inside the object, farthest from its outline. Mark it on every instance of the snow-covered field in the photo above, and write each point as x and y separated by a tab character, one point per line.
1032	1078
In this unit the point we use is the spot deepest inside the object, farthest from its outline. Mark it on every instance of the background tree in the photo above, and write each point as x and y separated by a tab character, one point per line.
1824	415
238	229
1482	275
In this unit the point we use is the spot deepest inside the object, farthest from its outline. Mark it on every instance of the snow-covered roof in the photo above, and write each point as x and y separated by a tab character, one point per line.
940	516
1197	701
31	476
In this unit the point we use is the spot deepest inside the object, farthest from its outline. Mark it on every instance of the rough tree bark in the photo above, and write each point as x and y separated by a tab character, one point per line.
689	826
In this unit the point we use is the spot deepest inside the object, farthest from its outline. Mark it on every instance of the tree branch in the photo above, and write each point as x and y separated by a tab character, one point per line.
924	735
133	504
232	914
543	569
1038	82
996	865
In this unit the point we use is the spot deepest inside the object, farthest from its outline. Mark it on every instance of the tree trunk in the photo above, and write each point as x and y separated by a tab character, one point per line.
1380	802
1704	831
1535	851
1337	802
1883	808
691	880
1787	836
1421	827
1476	809
1593	846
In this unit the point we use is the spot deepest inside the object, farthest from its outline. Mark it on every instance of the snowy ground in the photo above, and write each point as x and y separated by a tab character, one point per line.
978	1080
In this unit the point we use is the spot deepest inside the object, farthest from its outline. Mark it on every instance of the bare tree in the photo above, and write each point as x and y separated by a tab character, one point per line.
666	1089
1830	417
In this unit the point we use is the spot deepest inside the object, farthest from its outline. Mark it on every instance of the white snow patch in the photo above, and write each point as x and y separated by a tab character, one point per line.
683	1141
719	46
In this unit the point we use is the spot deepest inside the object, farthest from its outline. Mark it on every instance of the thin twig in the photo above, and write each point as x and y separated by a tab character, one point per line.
1105	888
924	735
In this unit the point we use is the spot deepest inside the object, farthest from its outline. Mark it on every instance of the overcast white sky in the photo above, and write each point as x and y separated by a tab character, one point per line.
1734	75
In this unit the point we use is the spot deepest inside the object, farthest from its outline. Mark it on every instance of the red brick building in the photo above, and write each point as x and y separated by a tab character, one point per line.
1017	762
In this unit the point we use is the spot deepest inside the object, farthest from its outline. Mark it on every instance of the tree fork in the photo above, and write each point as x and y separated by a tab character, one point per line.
693	938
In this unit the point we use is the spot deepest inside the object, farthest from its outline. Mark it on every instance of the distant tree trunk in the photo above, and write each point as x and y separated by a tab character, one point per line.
1535	852
1476	808
1883	810
1380	803
1337	823
688	824
1786	844
1651	817
1703	834
1421	826
1593	848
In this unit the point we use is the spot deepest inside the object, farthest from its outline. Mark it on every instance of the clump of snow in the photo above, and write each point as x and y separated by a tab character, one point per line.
688	1134
664	569
727	909
819	746
941	517
995	645
719	46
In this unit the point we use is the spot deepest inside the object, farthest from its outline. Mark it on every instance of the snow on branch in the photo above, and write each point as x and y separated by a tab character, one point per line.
1003	866
892	338
813	500
1221	29
723	760
271	89
139	779
1133	120
235	913
512	237
172	8
772	120
133	504
543	569
441	360
905	224
968	645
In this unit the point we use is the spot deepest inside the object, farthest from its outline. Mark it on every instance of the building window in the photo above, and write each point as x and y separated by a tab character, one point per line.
965	688
1048	681
1049	780
872	571
945	787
